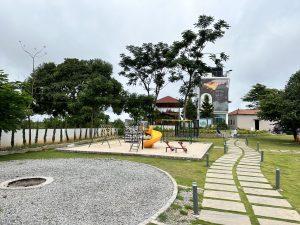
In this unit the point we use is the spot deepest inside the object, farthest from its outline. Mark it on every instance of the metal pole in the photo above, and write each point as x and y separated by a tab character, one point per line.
195	199
246	141
262	156
207	160
257	146
225	146
277	178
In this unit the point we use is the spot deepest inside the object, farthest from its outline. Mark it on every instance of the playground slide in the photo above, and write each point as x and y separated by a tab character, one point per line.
155	137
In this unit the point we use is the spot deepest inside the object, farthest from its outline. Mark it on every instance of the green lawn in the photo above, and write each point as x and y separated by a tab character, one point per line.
289	164
184	171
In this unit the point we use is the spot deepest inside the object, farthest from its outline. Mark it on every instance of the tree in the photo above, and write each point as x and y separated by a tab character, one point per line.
207	109
148	66
188	54
191	110
283	107
13	104
138	106
258	92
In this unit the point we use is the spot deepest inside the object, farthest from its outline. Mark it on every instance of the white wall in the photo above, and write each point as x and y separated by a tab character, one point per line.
248	122
6	137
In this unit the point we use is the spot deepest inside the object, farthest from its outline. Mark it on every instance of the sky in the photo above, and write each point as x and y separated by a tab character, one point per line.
263	41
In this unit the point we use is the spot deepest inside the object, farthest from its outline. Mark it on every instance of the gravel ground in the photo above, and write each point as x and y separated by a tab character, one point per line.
84	191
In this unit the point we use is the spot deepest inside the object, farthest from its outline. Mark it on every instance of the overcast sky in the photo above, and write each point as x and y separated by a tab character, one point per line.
263	41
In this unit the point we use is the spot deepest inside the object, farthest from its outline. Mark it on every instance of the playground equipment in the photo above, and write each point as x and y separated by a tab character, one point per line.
172	148
107	133
155	137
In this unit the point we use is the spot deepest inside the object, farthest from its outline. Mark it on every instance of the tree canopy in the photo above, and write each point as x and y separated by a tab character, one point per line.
13	104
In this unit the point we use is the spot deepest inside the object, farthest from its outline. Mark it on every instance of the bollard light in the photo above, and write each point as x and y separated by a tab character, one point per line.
195	199
207	160
277	178
257	146
262	156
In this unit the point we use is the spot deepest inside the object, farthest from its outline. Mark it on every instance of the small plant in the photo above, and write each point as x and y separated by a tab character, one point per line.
179	197
183	212
162	217
175	206
188	207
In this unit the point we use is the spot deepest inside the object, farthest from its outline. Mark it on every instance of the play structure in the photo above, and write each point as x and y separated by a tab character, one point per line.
155	137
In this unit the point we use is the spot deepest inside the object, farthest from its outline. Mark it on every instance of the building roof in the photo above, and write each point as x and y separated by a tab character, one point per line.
167	99
244	112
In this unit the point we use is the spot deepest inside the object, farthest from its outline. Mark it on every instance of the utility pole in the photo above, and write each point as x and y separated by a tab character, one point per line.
34	54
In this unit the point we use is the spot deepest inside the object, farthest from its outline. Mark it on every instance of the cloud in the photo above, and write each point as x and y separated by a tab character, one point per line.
263	41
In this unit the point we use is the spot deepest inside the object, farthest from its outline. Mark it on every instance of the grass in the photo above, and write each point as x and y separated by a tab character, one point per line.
274	142
184	171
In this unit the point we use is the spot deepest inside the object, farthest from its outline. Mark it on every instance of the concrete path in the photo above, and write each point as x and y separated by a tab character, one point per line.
238	174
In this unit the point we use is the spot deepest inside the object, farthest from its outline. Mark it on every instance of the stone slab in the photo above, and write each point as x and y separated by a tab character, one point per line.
221	187
286	214
229	168
257	185
254	179
248	166
274	222
268	201
224	205
222	195
248	170
259	191
250	174
219	181
218	175
224	218
219	171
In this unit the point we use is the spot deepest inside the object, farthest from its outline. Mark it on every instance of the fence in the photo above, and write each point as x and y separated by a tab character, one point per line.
58	135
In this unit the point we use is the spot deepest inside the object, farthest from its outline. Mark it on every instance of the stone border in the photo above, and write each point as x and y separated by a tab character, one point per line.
137	154
169	202
4	185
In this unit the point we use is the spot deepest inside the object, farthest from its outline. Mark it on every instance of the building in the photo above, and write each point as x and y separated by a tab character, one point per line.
247	119
216	87
169	107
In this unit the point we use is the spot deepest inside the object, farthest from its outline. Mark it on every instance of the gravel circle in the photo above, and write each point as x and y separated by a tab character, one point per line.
84	191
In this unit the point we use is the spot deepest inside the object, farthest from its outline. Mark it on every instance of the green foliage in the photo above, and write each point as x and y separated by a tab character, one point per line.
175	206
257	93
162	217
283	107
139	107
120	125
13	104
188	54
191	110
183	212
207	108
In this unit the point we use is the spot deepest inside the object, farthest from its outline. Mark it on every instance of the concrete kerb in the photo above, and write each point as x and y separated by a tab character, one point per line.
168	204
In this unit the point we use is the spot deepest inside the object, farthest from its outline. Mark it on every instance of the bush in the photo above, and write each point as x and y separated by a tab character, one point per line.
120	125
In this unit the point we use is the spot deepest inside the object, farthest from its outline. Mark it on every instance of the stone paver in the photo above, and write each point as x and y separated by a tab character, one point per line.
280	213
259	191
255	179
219	181
224	205
257	185
248	170
217	175
251	174
219	171
224	218
222	195
221	167
221	187
268	201
274	222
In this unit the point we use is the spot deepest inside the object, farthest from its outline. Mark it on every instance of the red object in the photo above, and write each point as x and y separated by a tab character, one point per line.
244	112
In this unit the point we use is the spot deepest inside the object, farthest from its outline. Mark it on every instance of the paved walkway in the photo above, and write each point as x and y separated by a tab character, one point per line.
238	174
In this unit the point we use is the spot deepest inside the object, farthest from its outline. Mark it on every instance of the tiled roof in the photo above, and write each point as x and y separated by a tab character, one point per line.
167	99
244	112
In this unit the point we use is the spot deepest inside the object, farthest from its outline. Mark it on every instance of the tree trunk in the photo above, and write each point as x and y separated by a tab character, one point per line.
61	135
29	130
24	136
74	136
80	133
36	134
45	135
0	136
295	135
86	133
66	133
53	135
12	141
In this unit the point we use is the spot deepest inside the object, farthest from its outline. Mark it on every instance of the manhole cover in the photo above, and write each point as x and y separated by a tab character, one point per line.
26	182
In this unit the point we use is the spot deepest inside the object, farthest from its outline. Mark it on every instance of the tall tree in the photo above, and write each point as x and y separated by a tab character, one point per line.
191	110
188	54
13	104
283	107
147	65
257	92
207	109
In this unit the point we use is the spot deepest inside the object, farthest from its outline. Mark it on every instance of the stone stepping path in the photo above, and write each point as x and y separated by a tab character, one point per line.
264	200
221	198
221	193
